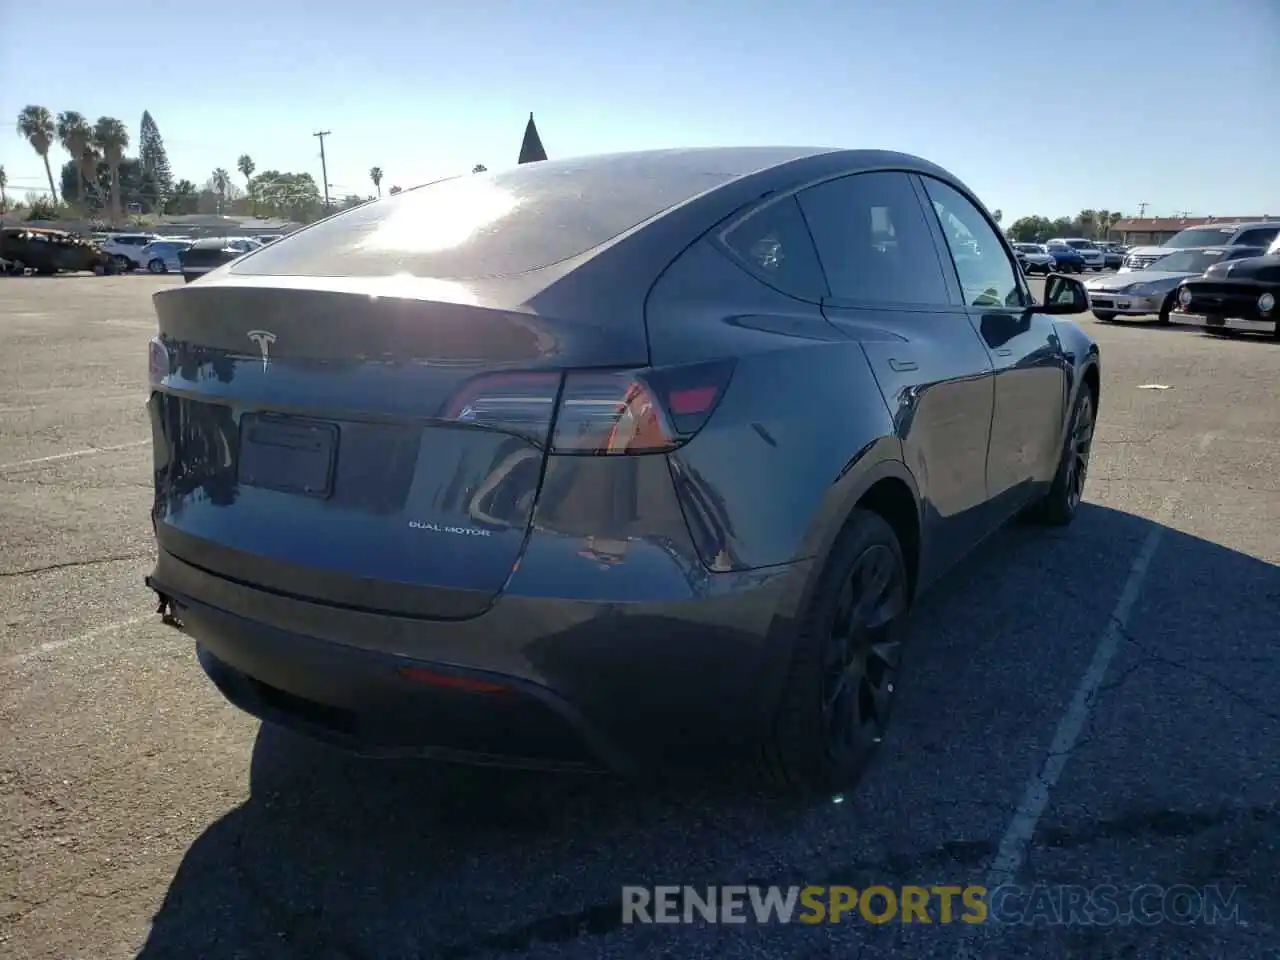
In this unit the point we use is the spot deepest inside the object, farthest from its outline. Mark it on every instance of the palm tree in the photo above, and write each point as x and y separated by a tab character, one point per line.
4	182
221	180
375	174
111	137
479	168
76	137
35	125
246	166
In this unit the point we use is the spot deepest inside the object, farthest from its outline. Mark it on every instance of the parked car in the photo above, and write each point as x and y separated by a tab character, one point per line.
161	256
1154	290
1112	255
47	252
1258	233
1065	258
202	256
126	248
1035	258
1239	295
623	478
1092	256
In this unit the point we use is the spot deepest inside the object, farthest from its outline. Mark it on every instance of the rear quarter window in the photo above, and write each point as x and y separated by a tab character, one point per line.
774	244
491	225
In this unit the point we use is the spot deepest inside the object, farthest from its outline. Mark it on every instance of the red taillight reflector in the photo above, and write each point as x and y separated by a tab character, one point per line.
431	678
695	400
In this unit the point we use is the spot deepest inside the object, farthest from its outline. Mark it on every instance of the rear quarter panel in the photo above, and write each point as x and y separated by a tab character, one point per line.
801	430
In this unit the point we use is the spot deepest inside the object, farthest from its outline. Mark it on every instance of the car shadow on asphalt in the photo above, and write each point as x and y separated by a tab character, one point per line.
335	856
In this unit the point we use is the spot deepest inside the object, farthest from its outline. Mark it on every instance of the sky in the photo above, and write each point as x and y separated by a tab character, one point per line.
1040	107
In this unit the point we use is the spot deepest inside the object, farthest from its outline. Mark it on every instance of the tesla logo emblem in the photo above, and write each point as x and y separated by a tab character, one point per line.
264	339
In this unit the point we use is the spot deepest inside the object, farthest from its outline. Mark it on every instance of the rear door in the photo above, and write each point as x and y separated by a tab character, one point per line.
889	291
1032	373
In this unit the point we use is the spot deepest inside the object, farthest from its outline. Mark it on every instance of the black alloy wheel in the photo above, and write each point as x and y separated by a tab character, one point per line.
1080	446
846	661
1058	507
863	654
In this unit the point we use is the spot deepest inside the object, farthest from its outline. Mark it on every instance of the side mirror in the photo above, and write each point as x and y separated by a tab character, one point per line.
1064	295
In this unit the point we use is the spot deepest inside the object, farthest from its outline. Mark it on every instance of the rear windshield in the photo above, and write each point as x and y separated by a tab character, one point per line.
503	223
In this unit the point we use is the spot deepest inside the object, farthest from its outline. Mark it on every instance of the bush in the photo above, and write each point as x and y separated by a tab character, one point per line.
45	209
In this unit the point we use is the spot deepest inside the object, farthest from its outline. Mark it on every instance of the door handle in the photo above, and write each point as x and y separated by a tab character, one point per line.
1004	352
902	366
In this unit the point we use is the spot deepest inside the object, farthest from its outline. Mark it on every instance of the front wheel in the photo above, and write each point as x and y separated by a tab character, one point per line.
156	266
840	688
1058	508
1166	308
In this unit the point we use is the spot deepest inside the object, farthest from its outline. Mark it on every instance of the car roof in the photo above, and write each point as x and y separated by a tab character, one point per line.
595	202
1233	225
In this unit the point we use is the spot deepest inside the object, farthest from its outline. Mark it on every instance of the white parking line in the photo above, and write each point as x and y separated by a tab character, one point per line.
55	645
1012	852
74	453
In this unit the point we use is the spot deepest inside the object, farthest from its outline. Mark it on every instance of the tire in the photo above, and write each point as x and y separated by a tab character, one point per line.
123	264
1104	316
1059	506
157	266
1166	308
805	752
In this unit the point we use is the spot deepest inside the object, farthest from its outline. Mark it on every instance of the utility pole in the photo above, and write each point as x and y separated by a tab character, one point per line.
1142	208
324	168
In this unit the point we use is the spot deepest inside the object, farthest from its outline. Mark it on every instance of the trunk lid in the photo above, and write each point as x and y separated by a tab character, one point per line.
304	441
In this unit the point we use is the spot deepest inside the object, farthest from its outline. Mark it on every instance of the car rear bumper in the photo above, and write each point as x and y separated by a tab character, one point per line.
535	682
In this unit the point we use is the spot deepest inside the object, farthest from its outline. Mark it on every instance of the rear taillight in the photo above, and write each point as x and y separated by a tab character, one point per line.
597	412
157	362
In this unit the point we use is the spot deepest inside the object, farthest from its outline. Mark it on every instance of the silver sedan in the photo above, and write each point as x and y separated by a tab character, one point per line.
1150	292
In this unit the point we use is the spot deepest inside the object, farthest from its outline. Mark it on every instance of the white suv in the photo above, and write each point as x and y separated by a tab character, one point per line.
1094	258
1260	233
126	248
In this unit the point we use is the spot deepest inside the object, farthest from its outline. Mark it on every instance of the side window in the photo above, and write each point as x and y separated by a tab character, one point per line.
775	243
873	240
1261	237
987	276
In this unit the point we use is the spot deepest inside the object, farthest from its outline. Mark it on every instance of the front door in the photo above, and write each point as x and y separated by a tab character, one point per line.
1032	374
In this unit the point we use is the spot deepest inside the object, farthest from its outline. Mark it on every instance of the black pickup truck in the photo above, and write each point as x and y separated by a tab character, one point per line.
1237	295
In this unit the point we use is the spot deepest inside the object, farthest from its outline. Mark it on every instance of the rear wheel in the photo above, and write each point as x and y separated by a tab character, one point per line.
839	692
1058	508
156	266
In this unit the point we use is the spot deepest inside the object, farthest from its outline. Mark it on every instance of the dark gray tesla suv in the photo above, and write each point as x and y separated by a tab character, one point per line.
606	463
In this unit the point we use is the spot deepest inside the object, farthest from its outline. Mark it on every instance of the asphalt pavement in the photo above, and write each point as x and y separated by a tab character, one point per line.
1083	707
